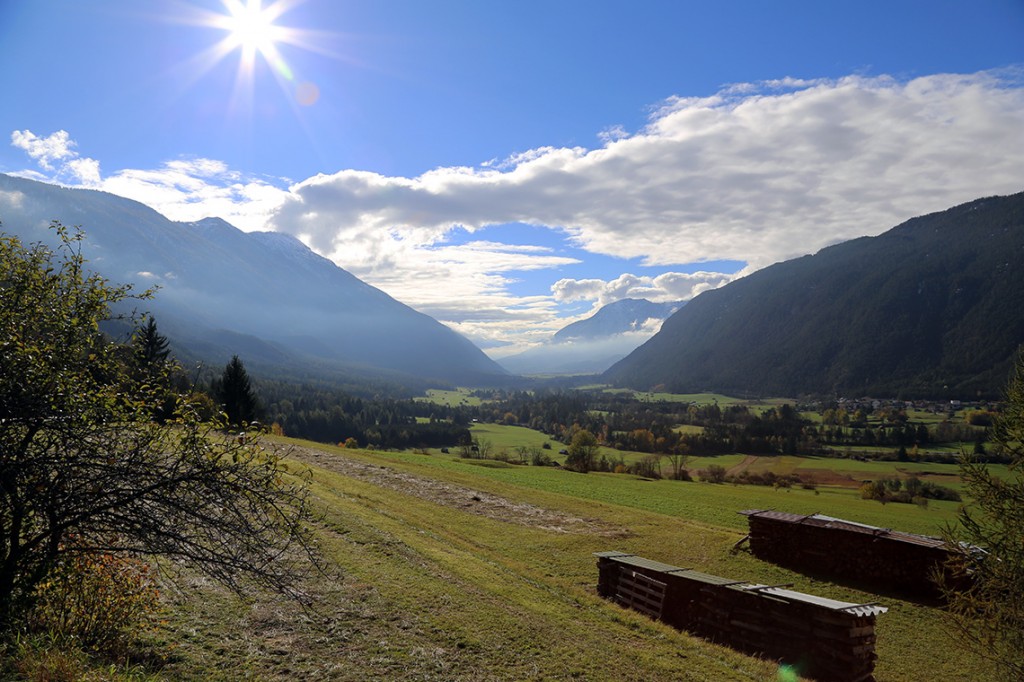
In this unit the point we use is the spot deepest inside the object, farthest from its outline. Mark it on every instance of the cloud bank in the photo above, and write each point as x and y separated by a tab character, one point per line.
757	172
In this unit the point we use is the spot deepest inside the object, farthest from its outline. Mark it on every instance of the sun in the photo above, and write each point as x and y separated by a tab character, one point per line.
252	30
251	27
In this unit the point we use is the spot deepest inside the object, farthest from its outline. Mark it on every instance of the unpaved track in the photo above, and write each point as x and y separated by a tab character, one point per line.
450	494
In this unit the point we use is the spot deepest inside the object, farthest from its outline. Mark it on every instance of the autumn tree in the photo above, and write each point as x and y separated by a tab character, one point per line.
582	451
86	471
988	614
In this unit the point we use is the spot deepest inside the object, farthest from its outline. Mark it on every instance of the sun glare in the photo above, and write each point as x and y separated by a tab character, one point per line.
251	26
252	31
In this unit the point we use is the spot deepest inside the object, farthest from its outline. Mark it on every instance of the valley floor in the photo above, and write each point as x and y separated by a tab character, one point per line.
446	569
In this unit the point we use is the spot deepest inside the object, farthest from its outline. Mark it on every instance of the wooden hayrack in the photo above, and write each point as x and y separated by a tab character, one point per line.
822	638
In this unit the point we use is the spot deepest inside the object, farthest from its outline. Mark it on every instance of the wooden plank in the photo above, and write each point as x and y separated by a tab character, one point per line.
641	592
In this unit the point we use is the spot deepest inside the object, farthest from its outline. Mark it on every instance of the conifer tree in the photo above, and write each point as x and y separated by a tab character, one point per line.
151	347
989	614
236	394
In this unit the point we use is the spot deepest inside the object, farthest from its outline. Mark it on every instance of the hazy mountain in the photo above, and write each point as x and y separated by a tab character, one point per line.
593	345
627	315
933	307
225	291
572	357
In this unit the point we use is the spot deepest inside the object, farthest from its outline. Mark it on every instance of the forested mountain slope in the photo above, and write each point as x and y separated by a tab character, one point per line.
933	307
224	291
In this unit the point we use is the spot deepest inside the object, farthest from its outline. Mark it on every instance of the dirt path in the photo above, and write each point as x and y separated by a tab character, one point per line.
450	494
742	466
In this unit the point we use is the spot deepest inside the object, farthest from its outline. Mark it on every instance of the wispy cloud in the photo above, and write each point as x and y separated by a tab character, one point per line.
56	153
758	172
196	188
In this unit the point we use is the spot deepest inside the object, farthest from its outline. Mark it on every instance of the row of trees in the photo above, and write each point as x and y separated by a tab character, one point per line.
622	422
330	415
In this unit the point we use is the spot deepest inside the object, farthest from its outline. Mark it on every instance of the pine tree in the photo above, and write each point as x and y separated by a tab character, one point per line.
155	367
989	614
151	347
236	395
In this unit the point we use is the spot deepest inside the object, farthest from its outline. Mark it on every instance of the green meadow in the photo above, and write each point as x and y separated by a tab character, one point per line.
450	398
441	568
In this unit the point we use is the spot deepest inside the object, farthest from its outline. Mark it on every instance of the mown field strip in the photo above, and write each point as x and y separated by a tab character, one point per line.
499	595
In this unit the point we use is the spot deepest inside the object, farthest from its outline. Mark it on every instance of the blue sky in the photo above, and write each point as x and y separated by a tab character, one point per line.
539	158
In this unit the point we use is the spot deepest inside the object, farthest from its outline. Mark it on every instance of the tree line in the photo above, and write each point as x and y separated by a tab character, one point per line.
625	423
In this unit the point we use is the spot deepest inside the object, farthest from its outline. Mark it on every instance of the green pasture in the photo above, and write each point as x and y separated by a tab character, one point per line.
424	588
703	502
506	439
686	524
459	396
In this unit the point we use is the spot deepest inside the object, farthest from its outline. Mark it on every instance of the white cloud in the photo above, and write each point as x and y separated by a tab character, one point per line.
670	286
55	153
11	199
610	134
45	150
758	172
182	189
192	189
87	171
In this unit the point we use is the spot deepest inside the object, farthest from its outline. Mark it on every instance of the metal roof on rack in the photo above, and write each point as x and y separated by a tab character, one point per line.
868	609
822	521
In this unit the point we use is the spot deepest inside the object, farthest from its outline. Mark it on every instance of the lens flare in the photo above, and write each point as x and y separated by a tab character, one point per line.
787	673
307	94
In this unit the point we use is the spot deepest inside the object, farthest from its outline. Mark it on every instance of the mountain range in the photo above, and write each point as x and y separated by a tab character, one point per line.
594	344
932	308
262	295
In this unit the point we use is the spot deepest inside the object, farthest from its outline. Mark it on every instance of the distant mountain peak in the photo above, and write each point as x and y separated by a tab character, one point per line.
619	317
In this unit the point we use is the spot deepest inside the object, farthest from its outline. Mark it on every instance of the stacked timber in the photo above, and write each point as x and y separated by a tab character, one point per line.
879	558
821	638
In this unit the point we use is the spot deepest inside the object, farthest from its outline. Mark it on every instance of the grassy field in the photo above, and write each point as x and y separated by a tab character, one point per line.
447	569
826	472
460	396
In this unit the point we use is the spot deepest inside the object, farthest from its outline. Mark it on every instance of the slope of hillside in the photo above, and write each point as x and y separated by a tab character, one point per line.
438	568
933	307
219	286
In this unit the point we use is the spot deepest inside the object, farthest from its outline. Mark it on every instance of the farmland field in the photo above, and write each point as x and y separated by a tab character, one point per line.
439	568
453	398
